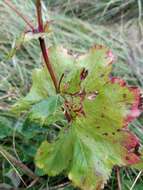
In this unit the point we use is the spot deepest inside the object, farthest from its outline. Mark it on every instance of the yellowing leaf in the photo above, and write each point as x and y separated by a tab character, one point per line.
56	157
98	109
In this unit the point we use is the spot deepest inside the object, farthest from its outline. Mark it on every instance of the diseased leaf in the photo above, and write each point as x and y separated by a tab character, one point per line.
103	107
98	64
88	169
56	157
71	82
98	108
90	157
139	165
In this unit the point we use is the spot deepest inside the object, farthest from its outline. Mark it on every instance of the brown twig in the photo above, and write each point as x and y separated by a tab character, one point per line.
118	178
59	186
18	163
32	183
10	5
6	96
43	45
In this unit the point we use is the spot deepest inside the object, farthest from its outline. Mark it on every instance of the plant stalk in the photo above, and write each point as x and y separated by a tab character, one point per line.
43	45
41	40
18	163
118	178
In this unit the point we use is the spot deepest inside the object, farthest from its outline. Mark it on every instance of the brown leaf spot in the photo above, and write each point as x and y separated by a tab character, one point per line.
102	75
136	150
127	158
102	115
105	134
124	95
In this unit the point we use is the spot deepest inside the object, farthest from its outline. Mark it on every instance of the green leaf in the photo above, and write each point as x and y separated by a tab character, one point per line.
42	87
47	111
61	60
55	158
31	130
89	169
97	138
98	64
39	172
5	127
88	160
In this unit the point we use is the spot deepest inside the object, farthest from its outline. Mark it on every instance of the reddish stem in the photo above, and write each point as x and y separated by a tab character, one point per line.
43	45
39	16
41	40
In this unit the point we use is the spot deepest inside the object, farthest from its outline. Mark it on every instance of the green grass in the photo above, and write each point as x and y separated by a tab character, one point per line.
76	25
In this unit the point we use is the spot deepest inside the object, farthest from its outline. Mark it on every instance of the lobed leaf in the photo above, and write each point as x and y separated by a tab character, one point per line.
98	107
54	158
42	87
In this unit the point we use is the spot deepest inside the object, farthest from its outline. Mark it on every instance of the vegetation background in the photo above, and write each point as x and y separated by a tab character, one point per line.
77	25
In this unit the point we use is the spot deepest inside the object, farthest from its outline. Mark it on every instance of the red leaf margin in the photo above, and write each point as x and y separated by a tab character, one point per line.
134	110
131	143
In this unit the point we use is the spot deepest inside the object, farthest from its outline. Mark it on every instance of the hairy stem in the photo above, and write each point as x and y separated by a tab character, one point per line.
10	5
43	45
